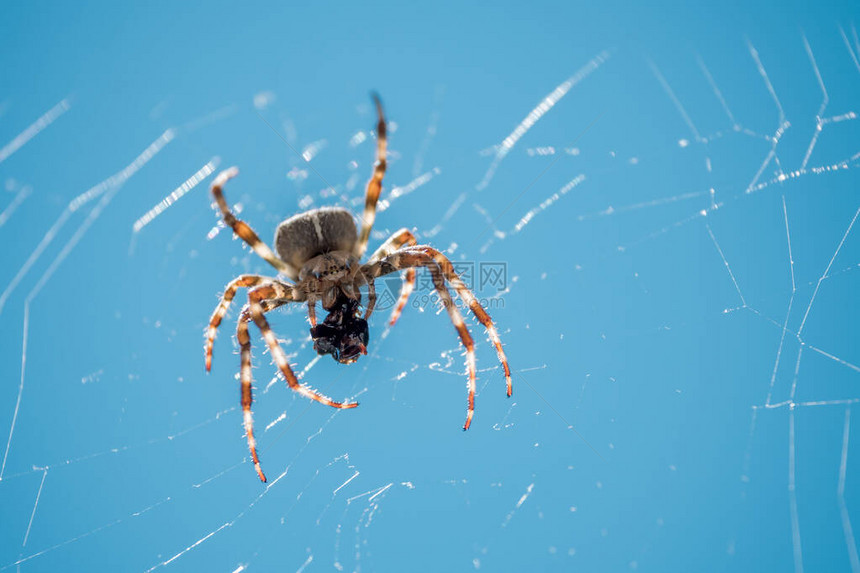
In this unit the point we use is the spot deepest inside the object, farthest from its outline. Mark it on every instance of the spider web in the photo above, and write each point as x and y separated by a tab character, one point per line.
678	305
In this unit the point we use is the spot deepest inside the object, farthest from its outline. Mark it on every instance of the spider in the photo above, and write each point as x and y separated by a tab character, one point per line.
319	260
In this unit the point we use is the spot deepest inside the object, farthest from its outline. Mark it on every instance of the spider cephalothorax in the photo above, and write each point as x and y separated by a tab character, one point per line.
319	255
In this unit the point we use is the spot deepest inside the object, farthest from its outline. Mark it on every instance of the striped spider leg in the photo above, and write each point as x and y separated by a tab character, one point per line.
374	186
441	271
269	295
242	229
392	244
241	281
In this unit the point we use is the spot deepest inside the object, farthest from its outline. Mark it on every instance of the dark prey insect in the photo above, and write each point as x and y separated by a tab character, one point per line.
319	260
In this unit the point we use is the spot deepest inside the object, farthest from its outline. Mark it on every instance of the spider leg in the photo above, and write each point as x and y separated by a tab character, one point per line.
268	306
246	392
312	311
374	186
402	260
479	311
242	229
393	243
405	291
223	306
371	298
245	375
256	298
436	262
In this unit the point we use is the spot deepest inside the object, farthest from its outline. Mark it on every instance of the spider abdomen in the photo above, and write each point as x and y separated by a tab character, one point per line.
306	235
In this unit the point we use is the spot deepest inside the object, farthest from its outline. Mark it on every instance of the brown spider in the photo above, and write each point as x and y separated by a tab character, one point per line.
319	252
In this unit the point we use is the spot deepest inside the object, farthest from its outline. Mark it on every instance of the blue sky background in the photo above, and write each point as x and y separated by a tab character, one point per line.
683	322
